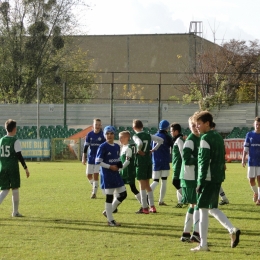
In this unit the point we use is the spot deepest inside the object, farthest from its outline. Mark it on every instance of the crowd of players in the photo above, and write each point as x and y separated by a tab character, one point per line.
198	163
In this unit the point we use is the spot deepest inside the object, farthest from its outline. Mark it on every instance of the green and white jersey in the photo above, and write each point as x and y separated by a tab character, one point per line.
211	158
127	156
143	141
189	169
9	146
177	157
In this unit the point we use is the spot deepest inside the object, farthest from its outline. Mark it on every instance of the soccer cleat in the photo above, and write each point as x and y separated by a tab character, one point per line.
235	237
104	213
146	210
113	223
162	203
115	211
195	237
152	209
93	196
200	248
255	197
224	202
17	215
179	205
142	211
185	237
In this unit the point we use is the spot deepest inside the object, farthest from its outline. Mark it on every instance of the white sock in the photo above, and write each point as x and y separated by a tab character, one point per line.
258	193
138	197
254	189
91	182
3	194
143	198
15	200
108	208
204	225
95	186
154	185
179	195
222	218
115	203
196	219
222	193
188	222
150	198
163	190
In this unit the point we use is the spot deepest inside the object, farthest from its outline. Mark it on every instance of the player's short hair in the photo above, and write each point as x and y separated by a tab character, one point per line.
126	133
205	116
176	127
213	124
138	123
10	124
96	120
257	119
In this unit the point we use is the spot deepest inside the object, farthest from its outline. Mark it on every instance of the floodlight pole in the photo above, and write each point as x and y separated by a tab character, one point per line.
39	83
112	101
159	100
256	96
64	104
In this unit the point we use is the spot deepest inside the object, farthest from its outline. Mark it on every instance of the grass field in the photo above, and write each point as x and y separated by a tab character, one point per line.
62	222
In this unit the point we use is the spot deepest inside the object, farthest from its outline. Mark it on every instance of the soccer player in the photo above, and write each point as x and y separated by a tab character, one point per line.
92	142
224	199
127	157
178	141
161	159
143	163
188	177
108	157
252	148
211	173
10	154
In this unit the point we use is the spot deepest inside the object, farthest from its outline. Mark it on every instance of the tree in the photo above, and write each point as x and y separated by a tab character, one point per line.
225	75
34	43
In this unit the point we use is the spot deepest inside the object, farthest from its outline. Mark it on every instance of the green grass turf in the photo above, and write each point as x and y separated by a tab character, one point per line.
62	222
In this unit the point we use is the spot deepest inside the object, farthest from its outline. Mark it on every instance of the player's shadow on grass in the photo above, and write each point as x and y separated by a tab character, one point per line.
136	229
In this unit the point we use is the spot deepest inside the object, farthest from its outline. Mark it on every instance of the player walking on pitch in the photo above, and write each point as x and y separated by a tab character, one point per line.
211	173
252	148
92	142
10	153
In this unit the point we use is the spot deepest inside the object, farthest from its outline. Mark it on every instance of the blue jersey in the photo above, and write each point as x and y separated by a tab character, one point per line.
161	158
109	154
93	141
252	146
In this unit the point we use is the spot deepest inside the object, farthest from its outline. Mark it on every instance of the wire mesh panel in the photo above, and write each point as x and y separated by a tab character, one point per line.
66	149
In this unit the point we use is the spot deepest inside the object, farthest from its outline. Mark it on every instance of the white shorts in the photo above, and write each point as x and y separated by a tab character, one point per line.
115	190
92	168
253	171
160	174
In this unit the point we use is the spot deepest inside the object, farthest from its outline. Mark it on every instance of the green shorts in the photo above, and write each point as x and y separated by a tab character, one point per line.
143	171
9	179
189	195
209	196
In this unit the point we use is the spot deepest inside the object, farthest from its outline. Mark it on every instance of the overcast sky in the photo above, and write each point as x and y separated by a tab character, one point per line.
230	19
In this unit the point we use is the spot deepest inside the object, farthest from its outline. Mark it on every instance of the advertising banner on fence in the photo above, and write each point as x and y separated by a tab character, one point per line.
234	149
35	148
